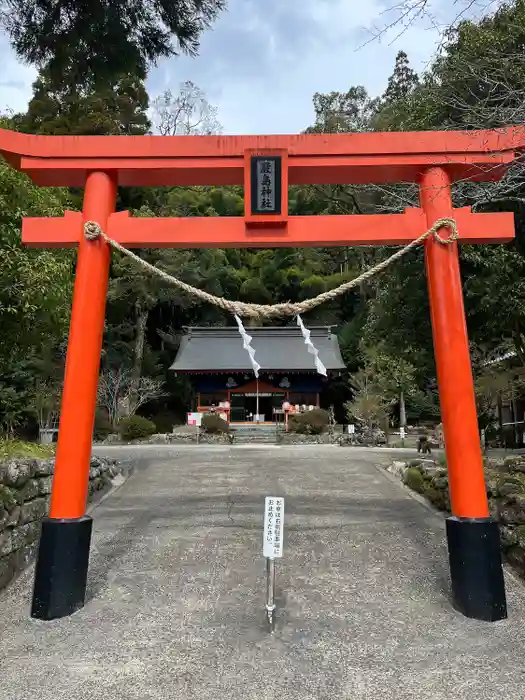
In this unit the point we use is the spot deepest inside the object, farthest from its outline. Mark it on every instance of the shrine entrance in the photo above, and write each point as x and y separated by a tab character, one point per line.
266	166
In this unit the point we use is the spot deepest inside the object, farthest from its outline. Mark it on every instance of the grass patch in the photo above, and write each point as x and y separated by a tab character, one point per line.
19	448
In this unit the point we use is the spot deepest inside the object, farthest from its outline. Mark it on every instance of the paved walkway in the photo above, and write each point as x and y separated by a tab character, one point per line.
176	595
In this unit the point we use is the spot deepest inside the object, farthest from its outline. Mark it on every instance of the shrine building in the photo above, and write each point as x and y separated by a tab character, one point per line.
223	376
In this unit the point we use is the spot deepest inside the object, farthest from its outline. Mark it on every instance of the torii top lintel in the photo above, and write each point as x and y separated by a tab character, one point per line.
219	160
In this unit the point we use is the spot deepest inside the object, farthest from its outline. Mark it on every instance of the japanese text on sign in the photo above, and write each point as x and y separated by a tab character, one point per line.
266	185
273	527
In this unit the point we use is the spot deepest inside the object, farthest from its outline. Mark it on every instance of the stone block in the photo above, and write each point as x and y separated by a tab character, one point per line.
44	485
30	532
509	485
440	482
7	498
25	555
513	513
114	470
398	469
16	473
494	510
6	543
33	510
514	464
509	536
9	518
45	467
516	557
7	570
28	491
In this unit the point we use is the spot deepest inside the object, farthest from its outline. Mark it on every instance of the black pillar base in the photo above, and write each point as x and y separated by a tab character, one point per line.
61	567
478	587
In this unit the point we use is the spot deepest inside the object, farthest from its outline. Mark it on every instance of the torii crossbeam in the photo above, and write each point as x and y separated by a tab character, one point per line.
266	166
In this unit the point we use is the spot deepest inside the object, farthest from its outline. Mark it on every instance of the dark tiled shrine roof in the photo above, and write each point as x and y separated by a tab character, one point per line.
221	349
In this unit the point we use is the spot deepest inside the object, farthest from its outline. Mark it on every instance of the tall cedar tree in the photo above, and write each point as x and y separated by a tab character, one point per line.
94	39
117	107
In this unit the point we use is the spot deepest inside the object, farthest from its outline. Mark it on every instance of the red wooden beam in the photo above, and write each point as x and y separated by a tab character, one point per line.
303	170
385	143
232	232
218	160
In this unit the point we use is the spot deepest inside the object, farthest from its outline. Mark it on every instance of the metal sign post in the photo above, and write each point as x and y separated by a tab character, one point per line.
272	549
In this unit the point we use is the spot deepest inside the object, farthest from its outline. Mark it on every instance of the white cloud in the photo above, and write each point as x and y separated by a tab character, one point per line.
264	59
262	62
15	80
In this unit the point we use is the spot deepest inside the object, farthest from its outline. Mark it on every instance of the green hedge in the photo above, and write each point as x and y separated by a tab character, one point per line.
136	428
310	422
214	424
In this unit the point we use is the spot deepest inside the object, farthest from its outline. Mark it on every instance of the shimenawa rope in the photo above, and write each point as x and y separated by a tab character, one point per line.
92	231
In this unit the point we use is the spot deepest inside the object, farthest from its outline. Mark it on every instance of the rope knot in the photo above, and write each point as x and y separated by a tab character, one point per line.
451	224
92	230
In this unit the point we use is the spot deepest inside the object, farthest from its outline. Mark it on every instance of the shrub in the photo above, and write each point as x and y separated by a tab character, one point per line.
214	424
136	427
414	479
297	424
165	420
438	497
310	423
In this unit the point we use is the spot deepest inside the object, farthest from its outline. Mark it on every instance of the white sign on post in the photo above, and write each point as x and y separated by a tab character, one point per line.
402	433
351	429
273	527
195	419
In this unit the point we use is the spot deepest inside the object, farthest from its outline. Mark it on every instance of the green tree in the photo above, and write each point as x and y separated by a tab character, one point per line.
402	82
475	83
93	40
369	405
341	112
117	107
394	377
395	102
35	293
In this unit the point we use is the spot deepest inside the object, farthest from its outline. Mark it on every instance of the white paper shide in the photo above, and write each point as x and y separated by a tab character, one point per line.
247	340
321	369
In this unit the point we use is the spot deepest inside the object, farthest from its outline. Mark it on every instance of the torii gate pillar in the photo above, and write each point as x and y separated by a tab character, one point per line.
476	574
63	555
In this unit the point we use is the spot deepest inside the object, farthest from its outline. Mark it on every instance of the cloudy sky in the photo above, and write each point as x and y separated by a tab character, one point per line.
264	59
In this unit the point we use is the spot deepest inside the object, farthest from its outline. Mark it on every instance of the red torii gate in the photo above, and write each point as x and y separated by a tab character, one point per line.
267	165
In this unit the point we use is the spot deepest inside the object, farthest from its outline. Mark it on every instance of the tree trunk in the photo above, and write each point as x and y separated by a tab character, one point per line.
515	418
402	411
387	430
141	321
500	421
